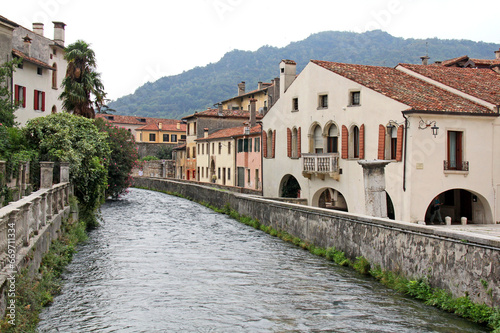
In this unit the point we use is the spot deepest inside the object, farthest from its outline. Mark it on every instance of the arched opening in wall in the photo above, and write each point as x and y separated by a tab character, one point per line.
289	187
458	204
332	138
330	198
390	207
270	144
54	109
354	142
318	140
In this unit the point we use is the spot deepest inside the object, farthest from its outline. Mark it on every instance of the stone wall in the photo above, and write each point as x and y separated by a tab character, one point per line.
151	149
158	168
452	260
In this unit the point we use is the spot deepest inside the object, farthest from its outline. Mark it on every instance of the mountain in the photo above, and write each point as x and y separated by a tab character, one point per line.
193	90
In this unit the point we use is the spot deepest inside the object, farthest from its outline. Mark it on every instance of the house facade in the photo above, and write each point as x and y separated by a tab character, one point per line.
265	95
37	80
332	116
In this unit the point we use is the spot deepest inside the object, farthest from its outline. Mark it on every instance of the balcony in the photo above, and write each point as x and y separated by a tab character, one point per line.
321	165
456	166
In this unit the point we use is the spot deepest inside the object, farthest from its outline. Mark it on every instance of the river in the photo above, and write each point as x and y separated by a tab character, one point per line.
159	263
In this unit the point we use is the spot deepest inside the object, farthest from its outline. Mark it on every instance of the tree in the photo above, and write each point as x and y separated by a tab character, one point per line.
122	159
82	85
7	107
63	137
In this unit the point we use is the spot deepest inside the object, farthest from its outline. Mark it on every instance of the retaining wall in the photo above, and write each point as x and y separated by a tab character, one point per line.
460	262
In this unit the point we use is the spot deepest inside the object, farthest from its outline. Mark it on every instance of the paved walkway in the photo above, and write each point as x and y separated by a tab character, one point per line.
483	229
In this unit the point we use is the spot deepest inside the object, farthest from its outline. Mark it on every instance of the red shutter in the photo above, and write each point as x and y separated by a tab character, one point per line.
274	143
43	101
288	142
24	97
399	145
381	142
16	93
299	146
362	142
264	144
345	145
36	100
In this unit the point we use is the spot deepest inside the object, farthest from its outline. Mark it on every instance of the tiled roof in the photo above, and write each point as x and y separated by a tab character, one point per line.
265	86
419	95
453	61
164	127
482	83
230	132
477	62
31	59
7	21
134	120
225	114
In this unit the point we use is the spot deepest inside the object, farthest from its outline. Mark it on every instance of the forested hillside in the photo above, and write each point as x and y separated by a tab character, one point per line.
179	95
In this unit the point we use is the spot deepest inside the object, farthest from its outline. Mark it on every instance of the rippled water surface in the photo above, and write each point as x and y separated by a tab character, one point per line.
164	264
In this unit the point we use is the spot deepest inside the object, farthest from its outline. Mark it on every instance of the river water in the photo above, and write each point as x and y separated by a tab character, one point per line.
159	263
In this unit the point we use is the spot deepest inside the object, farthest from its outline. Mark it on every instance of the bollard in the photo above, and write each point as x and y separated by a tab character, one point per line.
447	219
463	220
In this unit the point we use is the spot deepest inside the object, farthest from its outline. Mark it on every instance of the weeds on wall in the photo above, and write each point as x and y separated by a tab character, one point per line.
35	292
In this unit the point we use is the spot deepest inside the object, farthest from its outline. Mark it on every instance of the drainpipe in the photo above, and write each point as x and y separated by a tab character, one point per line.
404	159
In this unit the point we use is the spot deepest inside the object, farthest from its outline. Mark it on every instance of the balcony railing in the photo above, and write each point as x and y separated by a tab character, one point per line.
320	165
453	165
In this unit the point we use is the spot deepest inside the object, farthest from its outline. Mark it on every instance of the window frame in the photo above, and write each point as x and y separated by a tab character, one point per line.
355	98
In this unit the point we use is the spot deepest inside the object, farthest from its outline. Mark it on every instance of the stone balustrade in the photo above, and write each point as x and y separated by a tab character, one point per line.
26	217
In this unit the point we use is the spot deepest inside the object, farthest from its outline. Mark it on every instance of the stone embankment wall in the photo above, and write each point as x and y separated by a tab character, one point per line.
28	226
157	168
460	262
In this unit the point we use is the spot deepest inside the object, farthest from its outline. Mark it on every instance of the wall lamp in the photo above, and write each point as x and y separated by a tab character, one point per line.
424	124
391	125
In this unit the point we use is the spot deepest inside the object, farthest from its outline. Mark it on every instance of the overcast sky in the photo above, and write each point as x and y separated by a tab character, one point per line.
140	41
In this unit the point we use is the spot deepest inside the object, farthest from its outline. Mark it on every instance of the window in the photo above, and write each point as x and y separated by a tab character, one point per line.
333	139
257	145
213	148
355	98
318	140
295	152
323	102
220	148
194	151
218	173
183	137
166	137
173	138
54	76
228	173
455	151
203	148
355	138
188	152
20	95
393	143
39	100
295	104
152	137
194	128
248	175
39	70
229	148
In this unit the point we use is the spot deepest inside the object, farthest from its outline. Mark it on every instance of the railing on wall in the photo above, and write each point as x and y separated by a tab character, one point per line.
457	166
21	221
321	165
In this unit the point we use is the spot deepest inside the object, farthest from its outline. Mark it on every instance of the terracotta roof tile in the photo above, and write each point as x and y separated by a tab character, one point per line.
230	132
225	113
31	59
482	83
393	83
134	120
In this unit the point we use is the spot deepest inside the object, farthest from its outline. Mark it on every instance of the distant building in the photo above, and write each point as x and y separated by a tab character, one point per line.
265	96
36	83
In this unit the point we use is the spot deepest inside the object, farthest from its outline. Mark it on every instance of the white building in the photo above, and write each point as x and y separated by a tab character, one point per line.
37	81
333	115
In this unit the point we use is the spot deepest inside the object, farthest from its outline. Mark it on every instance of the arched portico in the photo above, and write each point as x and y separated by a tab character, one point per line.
458	203
329	198
289	187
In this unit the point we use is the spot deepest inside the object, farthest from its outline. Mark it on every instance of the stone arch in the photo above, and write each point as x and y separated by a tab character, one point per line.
457	203
391	213
289	187
330	198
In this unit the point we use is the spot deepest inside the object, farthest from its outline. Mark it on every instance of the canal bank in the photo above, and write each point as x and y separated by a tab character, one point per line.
463	263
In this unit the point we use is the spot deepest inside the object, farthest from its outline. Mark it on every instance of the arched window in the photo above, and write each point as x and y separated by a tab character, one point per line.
355	142
54	76
318	140
54	109
295	152
333	139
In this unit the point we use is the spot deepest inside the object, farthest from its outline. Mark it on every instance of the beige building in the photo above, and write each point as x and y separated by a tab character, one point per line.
439	134
265	95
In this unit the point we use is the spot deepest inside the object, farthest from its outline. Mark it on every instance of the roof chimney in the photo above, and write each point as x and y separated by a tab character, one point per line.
241	88
424	60
38	28
259	85
59	32
253	120
288	70
160	125
219	111
497	54
27	45
179	126
205	132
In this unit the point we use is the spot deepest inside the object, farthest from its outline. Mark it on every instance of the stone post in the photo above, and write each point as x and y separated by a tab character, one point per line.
43	209
25	222
3	178
64	172
375	195
46	170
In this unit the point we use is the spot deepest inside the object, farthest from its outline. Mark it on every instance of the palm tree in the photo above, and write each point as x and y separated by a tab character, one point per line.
82	85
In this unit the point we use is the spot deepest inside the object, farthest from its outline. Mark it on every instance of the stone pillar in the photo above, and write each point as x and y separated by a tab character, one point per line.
3	178
46	170
26	222
48	209
43	209
64	172
375	196
36	214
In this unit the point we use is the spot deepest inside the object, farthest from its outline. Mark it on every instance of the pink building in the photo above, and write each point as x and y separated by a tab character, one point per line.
249	158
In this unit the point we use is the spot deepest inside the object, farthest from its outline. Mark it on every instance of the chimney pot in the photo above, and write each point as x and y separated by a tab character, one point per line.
205	132
424	60
259	85
27	45
59	32
160	125
241	88
253	120
38	28
288	70
178	125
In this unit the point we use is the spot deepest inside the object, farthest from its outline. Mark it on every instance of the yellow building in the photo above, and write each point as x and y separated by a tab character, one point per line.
265	95
161	133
